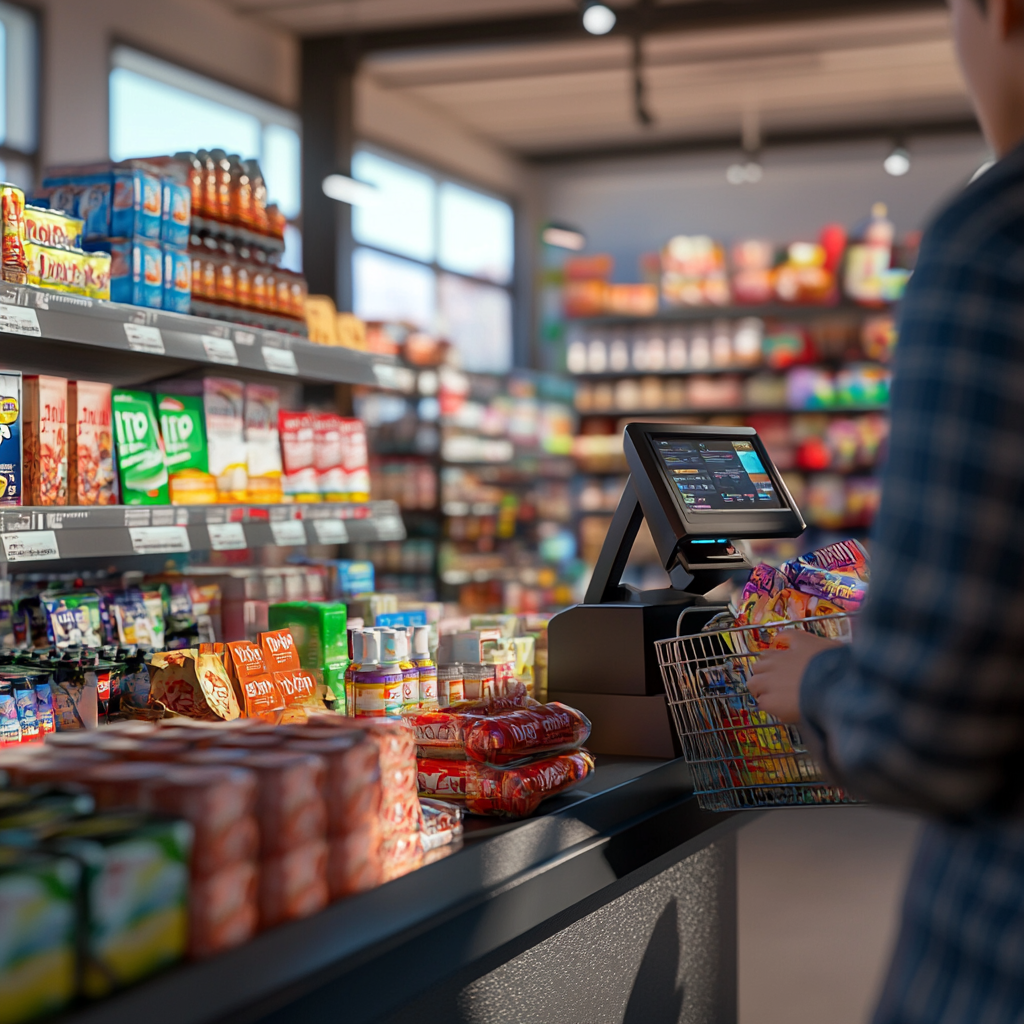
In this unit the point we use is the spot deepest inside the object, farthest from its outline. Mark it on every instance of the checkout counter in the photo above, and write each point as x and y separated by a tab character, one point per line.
617	901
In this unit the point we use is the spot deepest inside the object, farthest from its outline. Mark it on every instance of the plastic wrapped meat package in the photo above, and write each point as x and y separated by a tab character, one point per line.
293	884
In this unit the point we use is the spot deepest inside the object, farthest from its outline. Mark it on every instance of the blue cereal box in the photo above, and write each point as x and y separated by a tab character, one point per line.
177	214
147	274
177	280
353	577
122	204
148	203
10	437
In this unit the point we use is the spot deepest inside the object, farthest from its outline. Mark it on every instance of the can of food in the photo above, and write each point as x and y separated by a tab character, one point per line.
14	263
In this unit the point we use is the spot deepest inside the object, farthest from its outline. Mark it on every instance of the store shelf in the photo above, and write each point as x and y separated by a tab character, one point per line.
631	820
45	315
735	410
721	371
704	314
41	534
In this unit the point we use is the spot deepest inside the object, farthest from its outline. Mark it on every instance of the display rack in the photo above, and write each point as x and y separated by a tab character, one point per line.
44	534
50	316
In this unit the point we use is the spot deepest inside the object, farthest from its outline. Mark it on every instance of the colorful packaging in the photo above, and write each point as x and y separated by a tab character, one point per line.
263	444
52	227
147	204
838	573
98	267
147	274
177	280
132	619
45	425
176	216
60	269
10	438
28	718
279	650
44	706
260	695
118	270
182	427
327	457
39	894
353	577
91	478
72	618
135	887
504	740
298	455
224	406
451	684
13	260
764	585
10	727
193	685
318	630
355	459
140	457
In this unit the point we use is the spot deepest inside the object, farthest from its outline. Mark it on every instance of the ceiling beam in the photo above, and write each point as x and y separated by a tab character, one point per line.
891	130
695	15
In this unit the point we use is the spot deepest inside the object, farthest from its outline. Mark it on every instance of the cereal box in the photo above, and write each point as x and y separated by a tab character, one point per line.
177	295
90	444
184	434
327	456
297	448
262	443
355	459
46	440
10	438
224	405
147	274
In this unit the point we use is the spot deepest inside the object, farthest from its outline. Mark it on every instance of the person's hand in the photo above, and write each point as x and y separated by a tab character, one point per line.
775	683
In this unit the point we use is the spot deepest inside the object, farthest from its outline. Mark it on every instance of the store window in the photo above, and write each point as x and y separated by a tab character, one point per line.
435	254
157	107
19	78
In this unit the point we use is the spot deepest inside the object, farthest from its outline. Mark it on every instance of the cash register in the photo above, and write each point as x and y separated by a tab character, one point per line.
699	489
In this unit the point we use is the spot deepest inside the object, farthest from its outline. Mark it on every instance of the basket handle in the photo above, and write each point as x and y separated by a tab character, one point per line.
713	608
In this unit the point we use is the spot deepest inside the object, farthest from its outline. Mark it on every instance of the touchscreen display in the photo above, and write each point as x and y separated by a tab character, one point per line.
713	476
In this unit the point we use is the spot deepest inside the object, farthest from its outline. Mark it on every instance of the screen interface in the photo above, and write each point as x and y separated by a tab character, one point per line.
712	476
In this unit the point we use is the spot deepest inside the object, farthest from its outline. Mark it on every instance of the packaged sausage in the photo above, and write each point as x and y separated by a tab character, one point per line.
354	862
45	425
52	227
290	806
90	444
11	418
515	737
13	260
508	792
182	427
223	909
141	467
293	884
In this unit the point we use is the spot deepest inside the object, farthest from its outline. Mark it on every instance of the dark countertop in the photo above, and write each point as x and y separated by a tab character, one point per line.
374	952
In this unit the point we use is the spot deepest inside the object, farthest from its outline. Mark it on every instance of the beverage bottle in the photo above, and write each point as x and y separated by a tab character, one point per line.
426	669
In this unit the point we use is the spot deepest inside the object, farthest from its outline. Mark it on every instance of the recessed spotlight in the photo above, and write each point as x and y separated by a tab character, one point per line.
897	163
598	19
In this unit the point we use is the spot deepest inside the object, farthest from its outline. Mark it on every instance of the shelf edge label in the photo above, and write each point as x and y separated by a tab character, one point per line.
30	545
279	360
289	534
219	350
19	320
226	537
145	339
330	531
159	540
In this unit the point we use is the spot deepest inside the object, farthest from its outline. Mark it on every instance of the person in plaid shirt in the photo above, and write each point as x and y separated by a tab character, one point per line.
925	710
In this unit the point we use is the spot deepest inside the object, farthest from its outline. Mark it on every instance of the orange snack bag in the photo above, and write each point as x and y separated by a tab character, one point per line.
260	695
193	685
45	434
279	650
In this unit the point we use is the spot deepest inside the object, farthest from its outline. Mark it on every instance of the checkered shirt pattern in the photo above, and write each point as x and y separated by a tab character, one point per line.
926	709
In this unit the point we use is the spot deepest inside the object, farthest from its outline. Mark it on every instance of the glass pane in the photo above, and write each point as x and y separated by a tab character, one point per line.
148	118
291	259
401	218
477	234
388	288
281	163
477	319
18	77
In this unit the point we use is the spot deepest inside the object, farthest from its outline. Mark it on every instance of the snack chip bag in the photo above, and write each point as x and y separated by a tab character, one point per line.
193	685
259	693
838	573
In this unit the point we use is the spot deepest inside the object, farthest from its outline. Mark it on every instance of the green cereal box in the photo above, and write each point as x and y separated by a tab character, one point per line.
183	428
38	913
140	455
319	629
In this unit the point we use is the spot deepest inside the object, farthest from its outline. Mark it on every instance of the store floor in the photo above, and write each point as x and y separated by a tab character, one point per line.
819	898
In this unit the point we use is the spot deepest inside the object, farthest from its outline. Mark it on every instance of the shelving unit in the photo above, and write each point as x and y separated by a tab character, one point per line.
104	329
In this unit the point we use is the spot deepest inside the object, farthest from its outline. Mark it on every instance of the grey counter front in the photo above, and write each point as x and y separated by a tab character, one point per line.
616	904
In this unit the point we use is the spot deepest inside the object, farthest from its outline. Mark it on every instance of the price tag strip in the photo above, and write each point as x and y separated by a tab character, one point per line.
30	546
288	534
145	339
330	531
220	350
226	536
279	360
159	540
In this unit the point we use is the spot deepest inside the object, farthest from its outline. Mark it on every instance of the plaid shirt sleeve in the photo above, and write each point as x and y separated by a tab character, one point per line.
926	709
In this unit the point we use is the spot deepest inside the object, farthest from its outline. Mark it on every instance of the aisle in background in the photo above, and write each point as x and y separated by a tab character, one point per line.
819	899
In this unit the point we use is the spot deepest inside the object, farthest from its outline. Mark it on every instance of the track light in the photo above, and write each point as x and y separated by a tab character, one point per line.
598	18
897	163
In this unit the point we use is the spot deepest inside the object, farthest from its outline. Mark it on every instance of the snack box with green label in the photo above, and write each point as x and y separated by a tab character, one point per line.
135	894
38	917
141	467
183	428
321	637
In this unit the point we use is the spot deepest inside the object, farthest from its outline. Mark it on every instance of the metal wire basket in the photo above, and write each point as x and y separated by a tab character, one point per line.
741	758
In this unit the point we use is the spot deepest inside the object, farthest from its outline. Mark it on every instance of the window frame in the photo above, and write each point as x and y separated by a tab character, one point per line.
33	156
440	177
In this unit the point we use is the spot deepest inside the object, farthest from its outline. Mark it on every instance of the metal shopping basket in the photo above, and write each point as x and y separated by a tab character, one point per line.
740	757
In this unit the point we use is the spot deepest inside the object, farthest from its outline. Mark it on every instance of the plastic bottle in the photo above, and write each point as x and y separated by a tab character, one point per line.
426	669
410	673
391	664
350	673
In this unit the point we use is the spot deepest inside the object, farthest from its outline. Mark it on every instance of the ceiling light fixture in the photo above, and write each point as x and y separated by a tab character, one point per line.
598	18
897	163
561	237
344	189
749	173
